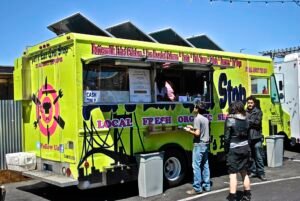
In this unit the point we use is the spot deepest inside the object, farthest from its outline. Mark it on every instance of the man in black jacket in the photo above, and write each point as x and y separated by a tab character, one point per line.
254	117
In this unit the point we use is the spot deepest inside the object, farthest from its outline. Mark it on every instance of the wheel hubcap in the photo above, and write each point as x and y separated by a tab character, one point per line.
172	168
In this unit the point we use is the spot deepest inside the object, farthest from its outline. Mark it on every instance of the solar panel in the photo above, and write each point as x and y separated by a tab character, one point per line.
128	30
169	36
77	23
204	42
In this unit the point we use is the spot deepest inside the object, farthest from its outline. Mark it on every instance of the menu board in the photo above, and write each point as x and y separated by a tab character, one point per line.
139	85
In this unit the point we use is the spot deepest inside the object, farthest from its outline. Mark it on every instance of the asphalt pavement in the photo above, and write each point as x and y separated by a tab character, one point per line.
282	185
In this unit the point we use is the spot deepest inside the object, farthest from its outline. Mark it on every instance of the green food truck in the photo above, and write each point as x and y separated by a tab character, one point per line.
90	105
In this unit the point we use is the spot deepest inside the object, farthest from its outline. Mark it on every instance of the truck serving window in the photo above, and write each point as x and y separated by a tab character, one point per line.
105	84
183	85
259	86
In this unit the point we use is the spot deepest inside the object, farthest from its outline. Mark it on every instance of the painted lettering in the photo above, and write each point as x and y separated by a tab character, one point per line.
256	70
156	120
114	123
208	116
222	117
163	55
50	54
213	141
228	93
185	119
99	50
186	58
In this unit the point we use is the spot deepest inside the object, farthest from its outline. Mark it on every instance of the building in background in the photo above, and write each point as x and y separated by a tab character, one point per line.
6	83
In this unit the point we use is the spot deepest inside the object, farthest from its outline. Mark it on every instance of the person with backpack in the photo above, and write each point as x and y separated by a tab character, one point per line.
237	148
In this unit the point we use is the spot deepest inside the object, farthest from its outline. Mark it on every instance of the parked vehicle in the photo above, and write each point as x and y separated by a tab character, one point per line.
90	105
288	82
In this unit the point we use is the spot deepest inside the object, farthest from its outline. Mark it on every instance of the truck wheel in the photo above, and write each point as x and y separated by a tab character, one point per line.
175	166
286	141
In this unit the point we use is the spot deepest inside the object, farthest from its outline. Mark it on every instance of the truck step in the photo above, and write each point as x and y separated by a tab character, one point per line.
51	178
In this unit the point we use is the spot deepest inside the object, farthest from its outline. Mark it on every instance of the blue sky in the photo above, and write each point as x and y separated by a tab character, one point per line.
253	27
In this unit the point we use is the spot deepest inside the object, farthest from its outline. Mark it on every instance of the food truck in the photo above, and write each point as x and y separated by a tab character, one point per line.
90	105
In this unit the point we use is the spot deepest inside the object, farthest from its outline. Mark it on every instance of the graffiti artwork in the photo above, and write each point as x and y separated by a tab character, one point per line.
47	110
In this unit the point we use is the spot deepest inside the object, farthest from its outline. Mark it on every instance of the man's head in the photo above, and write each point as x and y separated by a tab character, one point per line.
251	100
200	107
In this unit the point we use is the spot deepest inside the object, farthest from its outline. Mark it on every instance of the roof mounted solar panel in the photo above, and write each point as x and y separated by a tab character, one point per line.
204	42
77	23
169	36
127	30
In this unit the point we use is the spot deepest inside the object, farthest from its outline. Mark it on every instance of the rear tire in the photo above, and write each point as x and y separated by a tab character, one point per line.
286	141
175	167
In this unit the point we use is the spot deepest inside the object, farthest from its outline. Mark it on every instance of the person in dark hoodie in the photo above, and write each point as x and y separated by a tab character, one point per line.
237	149
254	117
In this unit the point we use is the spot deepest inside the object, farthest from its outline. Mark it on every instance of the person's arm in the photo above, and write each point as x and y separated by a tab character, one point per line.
170	91
255	120
194	131
227	135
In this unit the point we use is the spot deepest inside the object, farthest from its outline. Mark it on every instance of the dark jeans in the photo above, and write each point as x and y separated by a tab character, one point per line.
257	154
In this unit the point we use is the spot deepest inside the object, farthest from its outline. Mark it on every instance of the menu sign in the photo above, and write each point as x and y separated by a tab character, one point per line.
139	85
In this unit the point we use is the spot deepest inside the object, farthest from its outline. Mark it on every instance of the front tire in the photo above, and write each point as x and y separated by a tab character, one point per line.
175	167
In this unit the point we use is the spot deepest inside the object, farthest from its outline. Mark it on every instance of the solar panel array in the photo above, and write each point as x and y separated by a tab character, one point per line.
78	23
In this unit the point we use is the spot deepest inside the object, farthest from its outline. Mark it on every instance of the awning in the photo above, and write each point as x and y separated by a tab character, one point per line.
194	66
103	58
145	62
134	60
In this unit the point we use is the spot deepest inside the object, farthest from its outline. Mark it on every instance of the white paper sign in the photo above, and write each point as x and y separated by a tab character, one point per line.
91	96
139	85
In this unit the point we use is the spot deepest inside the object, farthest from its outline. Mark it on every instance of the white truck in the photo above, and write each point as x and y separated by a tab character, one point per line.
287	73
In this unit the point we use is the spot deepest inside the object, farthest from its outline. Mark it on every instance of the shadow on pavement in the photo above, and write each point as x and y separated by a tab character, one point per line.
51	192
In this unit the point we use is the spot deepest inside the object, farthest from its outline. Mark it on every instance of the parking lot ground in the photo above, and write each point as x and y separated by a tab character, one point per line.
280	180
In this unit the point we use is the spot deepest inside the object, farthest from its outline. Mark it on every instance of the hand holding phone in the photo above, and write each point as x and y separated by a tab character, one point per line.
187	128
190	126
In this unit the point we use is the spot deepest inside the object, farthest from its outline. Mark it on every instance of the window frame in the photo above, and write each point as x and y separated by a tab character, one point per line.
272	77
153	68
268	86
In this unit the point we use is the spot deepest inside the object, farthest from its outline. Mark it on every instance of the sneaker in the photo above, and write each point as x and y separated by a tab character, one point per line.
193	192
262	177
231	197
252	175
246	198
206	189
